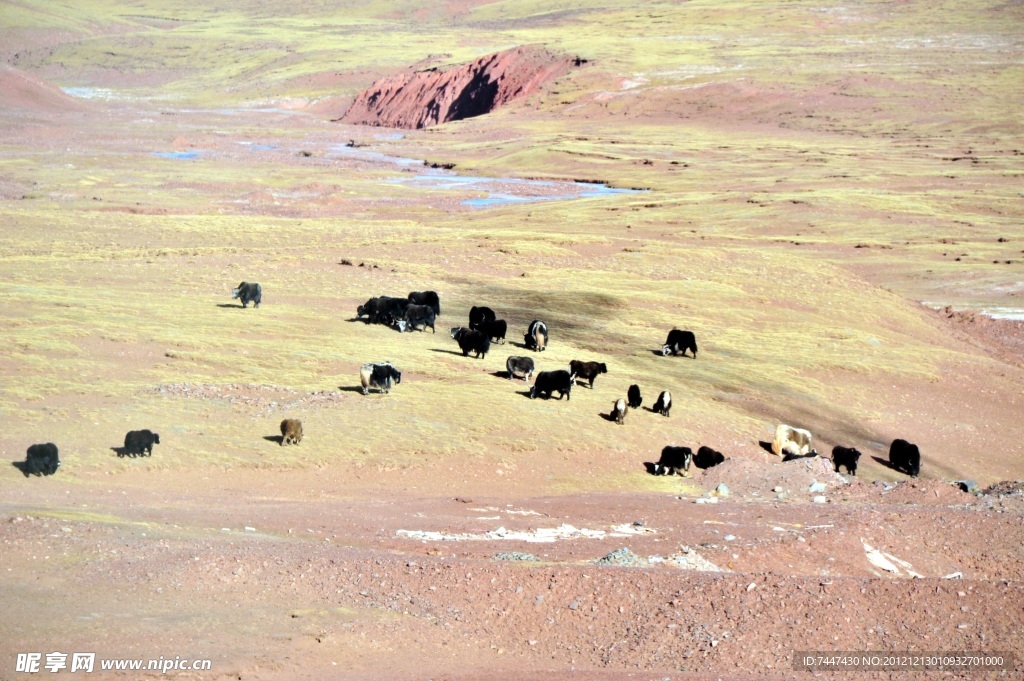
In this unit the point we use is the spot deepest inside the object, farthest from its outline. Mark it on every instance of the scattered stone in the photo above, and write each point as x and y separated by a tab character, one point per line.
516	556
1006	487
817	487
688	559
819	499
729	537
705	500
777	489
574	606
621	556
721	491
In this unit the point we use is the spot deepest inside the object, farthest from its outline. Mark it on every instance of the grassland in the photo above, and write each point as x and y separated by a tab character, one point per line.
794	240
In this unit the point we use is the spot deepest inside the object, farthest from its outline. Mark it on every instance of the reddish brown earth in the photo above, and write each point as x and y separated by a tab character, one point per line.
25	92
418	99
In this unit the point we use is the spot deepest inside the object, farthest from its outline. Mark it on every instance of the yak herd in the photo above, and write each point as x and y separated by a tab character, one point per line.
420	309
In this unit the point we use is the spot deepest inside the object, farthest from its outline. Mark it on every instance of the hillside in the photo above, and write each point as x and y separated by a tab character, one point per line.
828	196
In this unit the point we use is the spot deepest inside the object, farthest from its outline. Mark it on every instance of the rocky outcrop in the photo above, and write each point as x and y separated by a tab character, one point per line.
419	99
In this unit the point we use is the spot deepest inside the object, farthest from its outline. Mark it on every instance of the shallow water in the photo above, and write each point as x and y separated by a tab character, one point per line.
496	188
181	155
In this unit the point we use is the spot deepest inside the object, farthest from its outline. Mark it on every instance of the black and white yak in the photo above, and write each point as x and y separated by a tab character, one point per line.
382	375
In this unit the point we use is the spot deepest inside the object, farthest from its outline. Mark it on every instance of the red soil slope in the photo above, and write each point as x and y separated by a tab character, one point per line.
414	100
23	91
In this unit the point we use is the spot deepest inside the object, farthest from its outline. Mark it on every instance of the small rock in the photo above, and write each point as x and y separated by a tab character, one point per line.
574	606
777	489
704	500
516	556
729	537
621	556
819	499
817	487
721	491
780	496
969	486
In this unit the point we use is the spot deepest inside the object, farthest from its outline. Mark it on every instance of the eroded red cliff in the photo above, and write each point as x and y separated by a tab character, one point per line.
423	98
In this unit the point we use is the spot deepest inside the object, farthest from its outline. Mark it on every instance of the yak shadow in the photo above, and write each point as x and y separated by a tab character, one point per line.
657	353
766	446
234	306
350	388
274	438
22	466
794	457
522	346
358	319
607	417
501	374
450	352
123	452
887	464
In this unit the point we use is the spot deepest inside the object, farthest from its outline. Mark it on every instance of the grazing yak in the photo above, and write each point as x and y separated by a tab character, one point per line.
790	442
470	340
707	458
619	410
248	293
480	315
634	396
140	443
536	337
418	315
495	329
679	342
673	460
845	456
664	403
428	298
587	370
383	309
905	457
548	382
519	367
41	459
382	375
291	432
